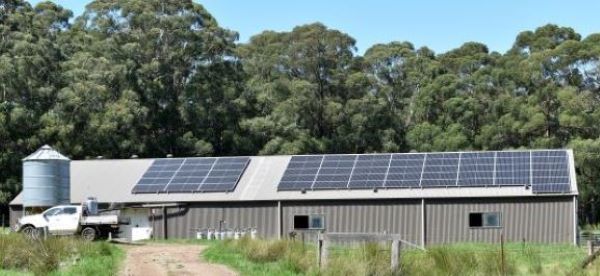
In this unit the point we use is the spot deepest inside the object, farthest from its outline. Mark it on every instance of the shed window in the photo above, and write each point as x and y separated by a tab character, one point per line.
308	222
490	219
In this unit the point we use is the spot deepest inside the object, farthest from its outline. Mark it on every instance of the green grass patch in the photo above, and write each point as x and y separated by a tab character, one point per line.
270	257
226	253
57	256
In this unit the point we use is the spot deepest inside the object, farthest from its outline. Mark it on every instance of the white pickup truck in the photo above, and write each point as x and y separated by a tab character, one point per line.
68	220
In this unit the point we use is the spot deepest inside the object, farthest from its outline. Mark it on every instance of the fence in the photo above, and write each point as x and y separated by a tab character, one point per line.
326	241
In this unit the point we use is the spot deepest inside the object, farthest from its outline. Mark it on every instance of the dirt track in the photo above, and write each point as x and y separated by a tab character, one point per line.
169	259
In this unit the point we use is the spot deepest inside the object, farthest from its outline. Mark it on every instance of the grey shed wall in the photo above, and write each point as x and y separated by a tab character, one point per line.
359	216
14	212
182	221
535	219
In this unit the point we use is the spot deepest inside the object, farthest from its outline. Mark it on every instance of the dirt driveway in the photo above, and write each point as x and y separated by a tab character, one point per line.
169	259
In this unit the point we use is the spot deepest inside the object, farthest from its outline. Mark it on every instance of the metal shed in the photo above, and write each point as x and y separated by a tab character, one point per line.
423	215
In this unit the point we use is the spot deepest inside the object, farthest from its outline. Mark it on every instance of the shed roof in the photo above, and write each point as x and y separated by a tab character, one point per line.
112	181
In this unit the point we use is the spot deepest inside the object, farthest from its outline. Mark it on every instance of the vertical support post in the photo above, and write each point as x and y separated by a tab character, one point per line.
164	226
279	221
423	222
590	246
152	222
575	232
502	253
319	249
395	255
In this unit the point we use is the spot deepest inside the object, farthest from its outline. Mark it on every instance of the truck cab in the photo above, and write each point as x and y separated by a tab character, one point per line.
67	220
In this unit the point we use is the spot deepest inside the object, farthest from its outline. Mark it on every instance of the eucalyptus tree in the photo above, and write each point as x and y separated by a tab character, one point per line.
155	77
297	87
30	76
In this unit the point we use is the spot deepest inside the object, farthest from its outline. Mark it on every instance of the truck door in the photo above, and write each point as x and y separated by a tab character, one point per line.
68	220
63	220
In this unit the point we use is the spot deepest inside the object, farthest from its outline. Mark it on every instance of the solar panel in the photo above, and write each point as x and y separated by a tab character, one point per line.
546	171
370	171
224	174
513	168
550	172
158	176
334	172
188	175
441	169
476	169
301	172
405	170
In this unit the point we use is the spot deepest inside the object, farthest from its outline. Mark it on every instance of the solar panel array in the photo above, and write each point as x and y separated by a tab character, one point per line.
544	171
189	175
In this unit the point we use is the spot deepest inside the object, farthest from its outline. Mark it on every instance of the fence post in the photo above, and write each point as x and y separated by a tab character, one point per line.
502	253
319	249
395	255
325	250
590	245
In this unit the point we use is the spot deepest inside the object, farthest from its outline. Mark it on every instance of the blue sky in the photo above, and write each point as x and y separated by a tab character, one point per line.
440	25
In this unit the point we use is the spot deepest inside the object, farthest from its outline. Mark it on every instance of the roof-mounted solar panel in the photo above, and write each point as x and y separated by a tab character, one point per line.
550	172
405	171
513	168
370	171
158	176
301	173
190	175
477	169
546	171
441	169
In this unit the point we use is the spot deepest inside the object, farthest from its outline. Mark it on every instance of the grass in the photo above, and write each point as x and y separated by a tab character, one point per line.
233	255
57	256
264	257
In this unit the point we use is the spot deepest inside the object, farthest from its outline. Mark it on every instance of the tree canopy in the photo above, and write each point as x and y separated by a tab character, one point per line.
152	78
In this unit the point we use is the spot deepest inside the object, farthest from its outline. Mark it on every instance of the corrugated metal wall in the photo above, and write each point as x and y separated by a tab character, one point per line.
182	222
359	216
536	219
15	212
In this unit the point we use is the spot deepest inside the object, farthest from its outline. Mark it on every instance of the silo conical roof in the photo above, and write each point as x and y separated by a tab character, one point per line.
46	153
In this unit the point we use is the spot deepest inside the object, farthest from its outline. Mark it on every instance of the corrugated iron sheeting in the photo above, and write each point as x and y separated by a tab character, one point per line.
545	220
364	216
182	222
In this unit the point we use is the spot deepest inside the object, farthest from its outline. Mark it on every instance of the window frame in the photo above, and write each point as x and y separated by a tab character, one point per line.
63	211
483	214
310	219
52	210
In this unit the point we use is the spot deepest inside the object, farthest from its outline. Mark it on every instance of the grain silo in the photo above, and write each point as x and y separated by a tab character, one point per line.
46	177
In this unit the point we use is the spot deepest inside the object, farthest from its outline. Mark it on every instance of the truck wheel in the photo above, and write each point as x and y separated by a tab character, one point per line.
30	232
89	233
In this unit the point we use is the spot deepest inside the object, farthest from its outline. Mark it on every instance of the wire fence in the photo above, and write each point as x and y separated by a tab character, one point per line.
510	247
586	236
